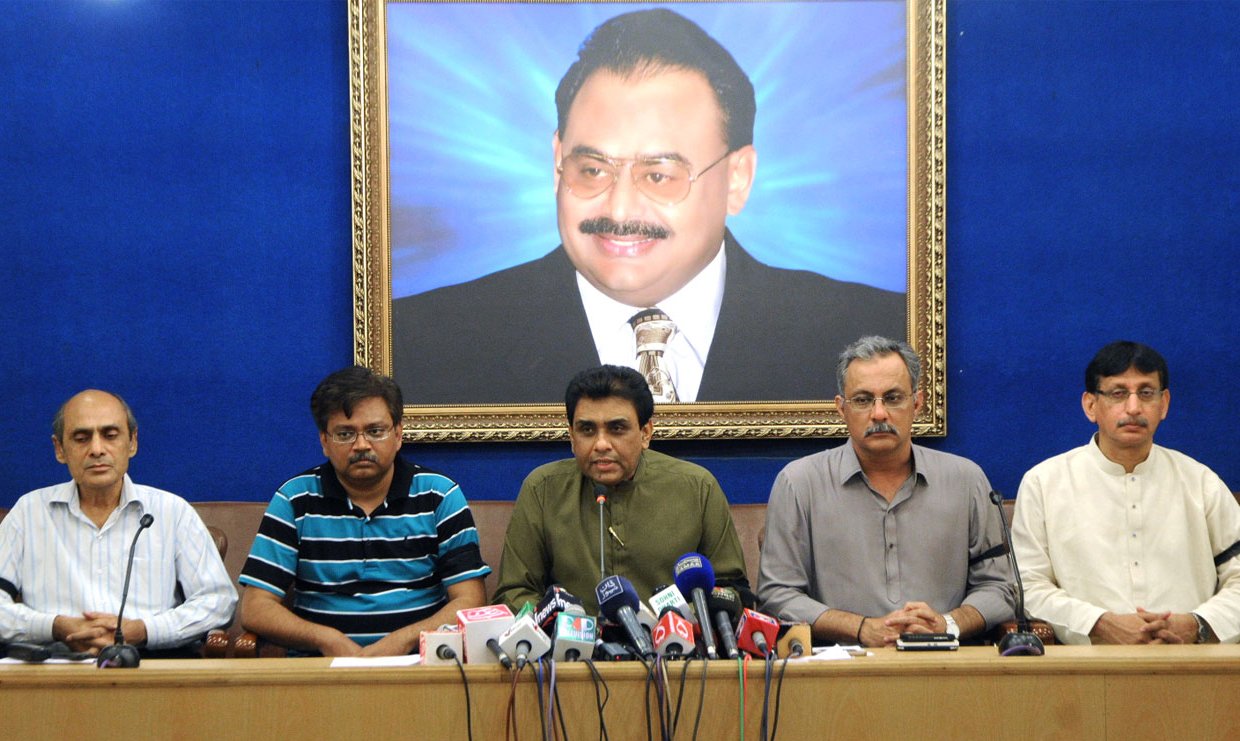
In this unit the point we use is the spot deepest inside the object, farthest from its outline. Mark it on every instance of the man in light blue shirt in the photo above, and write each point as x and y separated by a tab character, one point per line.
64	549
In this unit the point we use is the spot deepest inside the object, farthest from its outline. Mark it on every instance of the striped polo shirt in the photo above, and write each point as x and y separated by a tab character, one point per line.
365	575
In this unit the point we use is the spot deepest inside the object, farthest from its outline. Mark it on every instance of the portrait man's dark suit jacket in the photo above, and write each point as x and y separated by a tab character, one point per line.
519	335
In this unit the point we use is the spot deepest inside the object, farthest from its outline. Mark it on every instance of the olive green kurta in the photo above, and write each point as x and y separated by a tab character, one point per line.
669	508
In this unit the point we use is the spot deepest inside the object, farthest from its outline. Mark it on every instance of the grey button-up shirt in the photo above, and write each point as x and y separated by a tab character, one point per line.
833	542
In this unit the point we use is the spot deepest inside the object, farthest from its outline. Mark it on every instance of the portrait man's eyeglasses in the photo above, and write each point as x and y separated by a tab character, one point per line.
663	180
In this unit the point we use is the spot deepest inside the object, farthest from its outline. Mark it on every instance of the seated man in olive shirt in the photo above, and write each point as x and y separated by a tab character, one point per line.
657	508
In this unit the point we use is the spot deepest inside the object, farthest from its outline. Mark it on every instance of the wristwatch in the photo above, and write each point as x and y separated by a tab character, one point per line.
1203	628
955	629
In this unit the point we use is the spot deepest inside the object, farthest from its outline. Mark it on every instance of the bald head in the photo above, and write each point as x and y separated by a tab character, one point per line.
92	396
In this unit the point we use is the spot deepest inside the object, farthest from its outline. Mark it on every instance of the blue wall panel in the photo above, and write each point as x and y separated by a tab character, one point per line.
174	217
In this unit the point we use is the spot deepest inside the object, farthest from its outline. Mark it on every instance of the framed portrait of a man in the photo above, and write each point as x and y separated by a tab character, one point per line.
720	195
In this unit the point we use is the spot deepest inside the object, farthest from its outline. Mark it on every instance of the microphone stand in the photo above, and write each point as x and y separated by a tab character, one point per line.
600	496
1023	641
121	655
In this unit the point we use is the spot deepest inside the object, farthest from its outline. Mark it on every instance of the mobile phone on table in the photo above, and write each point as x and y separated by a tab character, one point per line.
927	642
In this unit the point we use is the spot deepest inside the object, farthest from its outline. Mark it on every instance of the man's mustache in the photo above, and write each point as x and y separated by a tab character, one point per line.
1139	421
364	455
878	427
610	227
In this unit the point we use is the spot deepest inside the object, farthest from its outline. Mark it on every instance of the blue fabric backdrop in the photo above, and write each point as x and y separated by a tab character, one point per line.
174	225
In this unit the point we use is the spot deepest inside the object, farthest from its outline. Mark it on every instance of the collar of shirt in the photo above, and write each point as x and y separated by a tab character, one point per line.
67	494
1111	467
694	309
402	479
850	466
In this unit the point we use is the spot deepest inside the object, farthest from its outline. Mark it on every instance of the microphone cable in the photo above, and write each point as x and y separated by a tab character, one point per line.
663	700
510	725
740	669
542	711
553	708
469	720
600	701
680	695
701	699
768	661
649	679
559	710
779	691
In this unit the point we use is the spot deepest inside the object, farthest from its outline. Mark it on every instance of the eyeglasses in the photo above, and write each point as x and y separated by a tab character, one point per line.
890	400
1118	396
373	434
662	180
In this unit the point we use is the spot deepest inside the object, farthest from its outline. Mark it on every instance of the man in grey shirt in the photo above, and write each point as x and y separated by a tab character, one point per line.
880	536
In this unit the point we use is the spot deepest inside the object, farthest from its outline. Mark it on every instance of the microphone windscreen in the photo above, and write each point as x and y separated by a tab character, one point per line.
693	571
146	520
614	593
722	599
557	599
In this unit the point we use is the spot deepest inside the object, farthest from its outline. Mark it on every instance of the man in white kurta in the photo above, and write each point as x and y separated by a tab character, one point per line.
1124	541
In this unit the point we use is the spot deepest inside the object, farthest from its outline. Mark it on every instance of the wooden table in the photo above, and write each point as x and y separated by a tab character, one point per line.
1187	693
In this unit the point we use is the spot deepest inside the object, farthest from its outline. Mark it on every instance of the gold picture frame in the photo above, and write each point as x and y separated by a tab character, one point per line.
370	81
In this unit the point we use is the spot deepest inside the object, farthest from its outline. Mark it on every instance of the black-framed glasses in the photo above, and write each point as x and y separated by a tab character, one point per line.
373	434
1117	396
666	181
890	400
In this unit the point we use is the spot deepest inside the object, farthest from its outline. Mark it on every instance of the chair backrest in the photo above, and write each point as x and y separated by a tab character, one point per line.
237	522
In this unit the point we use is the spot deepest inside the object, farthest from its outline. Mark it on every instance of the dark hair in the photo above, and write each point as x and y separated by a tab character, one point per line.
652	41
58	421
343	389
1121	355
606	381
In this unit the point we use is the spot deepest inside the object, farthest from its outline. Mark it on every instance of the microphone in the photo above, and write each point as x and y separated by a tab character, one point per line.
524	639
669	597
574	636
498	652
480	627
600	496
618	601
725	605
646	618
795	641
1022	641
556	600
756	633
695	577
120	655
610	651
439	647
673	635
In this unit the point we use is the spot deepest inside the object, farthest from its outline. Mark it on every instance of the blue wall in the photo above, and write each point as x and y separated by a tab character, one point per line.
174	220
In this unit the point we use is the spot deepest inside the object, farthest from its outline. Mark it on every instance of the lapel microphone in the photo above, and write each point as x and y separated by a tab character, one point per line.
121	655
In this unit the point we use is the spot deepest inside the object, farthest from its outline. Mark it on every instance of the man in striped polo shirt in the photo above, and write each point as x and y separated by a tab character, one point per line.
373	549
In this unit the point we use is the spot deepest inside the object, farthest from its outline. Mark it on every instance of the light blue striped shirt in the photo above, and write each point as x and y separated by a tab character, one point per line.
59	563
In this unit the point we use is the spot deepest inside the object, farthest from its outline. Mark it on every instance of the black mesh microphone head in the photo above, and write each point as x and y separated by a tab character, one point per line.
722	599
